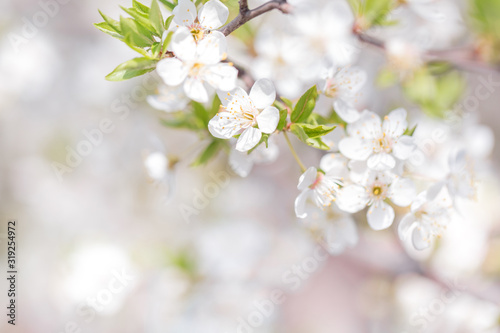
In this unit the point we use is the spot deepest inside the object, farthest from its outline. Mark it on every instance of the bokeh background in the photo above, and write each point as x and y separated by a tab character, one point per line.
101	250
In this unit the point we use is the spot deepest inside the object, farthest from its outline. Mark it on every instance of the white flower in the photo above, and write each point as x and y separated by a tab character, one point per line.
377	187
242	162
343	85
168	99
242	112
403	55
427	219
197	64
376	142
211	16
159	170
460	180
318	186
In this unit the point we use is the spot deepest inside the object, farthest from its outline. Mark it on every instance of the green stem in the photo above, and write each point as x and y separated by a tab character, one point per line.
294	153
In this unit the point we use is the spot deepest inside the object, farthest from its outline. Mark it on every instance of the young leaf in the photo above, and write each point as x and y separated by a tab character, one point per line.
139	36
315	131
140	7
167	40
156	18
282	121
168	21
315	142
200	112
132	68
264	138
114	24
168	4
106	28
215	107
209	153
305	106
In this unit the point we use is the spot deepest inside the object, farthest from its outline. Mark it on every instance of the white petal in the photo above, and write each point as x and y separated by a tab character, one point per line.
210	50
334	164
213	14
404	225
457	161
184	13
307	178
368	126
421	238
221	127
268	119
404	147
358	171
263	93
195	90
381	162
233	99
380	215
172	71
248	139
300	204
168	99
184	45
353	78
222	77
355	148
333	138
346	111
241	163
352	198
395	123
402	192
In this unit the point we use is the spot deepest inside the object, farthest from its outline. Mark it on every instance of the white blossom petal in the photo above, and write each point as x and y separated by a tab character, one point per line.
404	147
184	13
307	178
221	126
402	192
248	139
268	119
346	111
240	163
222	77
355	148
213	14
405	224
300	203
184	45
381	162
334	164
380	215
263	93
368	126
194	89
395	123
210	50
172	71
352	198
421	238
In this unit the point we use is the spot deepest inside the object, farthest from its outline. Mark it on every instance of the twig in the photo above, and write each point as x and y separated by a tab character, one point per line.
246	14
463	58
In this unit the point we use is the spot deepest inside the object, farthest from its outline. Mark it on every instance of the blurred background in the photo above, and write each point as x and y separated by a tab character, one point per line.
101	247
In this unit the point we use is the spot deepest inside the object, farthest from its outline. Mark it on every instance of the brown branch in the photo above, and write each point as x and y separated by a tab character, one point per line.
462	58
246	14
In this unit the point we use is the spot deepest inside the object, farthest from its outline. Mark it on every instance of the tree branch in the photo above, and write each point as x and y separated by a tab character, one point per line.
462	58
246	14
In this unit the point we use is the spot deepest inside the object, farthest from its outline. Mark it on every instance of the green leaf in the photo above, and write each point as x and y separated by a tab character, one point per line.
282	121
155	49
287	102
168	4
140	7
139	36
373	12
106	28
410	131
156	17
300	133
167	40
386	78
305	106
114	24
209	153
215	107
264	138
200	112
132	68
315	131
168	21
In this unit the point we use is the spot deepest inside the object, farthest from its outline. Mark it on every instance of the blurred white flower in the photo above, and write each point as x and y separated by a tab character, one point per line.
343	85
168	99
242	112
160	170
427	219
404	56
197	64
242	162
377	187
376	142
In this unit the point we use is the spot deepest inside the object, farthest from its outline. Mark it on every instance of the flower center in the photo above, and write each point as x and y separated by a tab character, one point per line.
382	144
377	190
195	69
197	31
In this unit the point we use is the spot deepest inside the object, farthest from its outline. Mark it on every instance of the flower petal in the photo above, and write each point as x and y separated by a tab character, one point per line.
380	215
395	123
172	71
300	204
240	163
184	13
211	49
381	162
404	147
352	198
307	178
268	119
213	14
248	139
405	224
402	192
195	90
421	238
263	93
334	164
368	126
184	45
221	76
355	148
222	126
346	111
